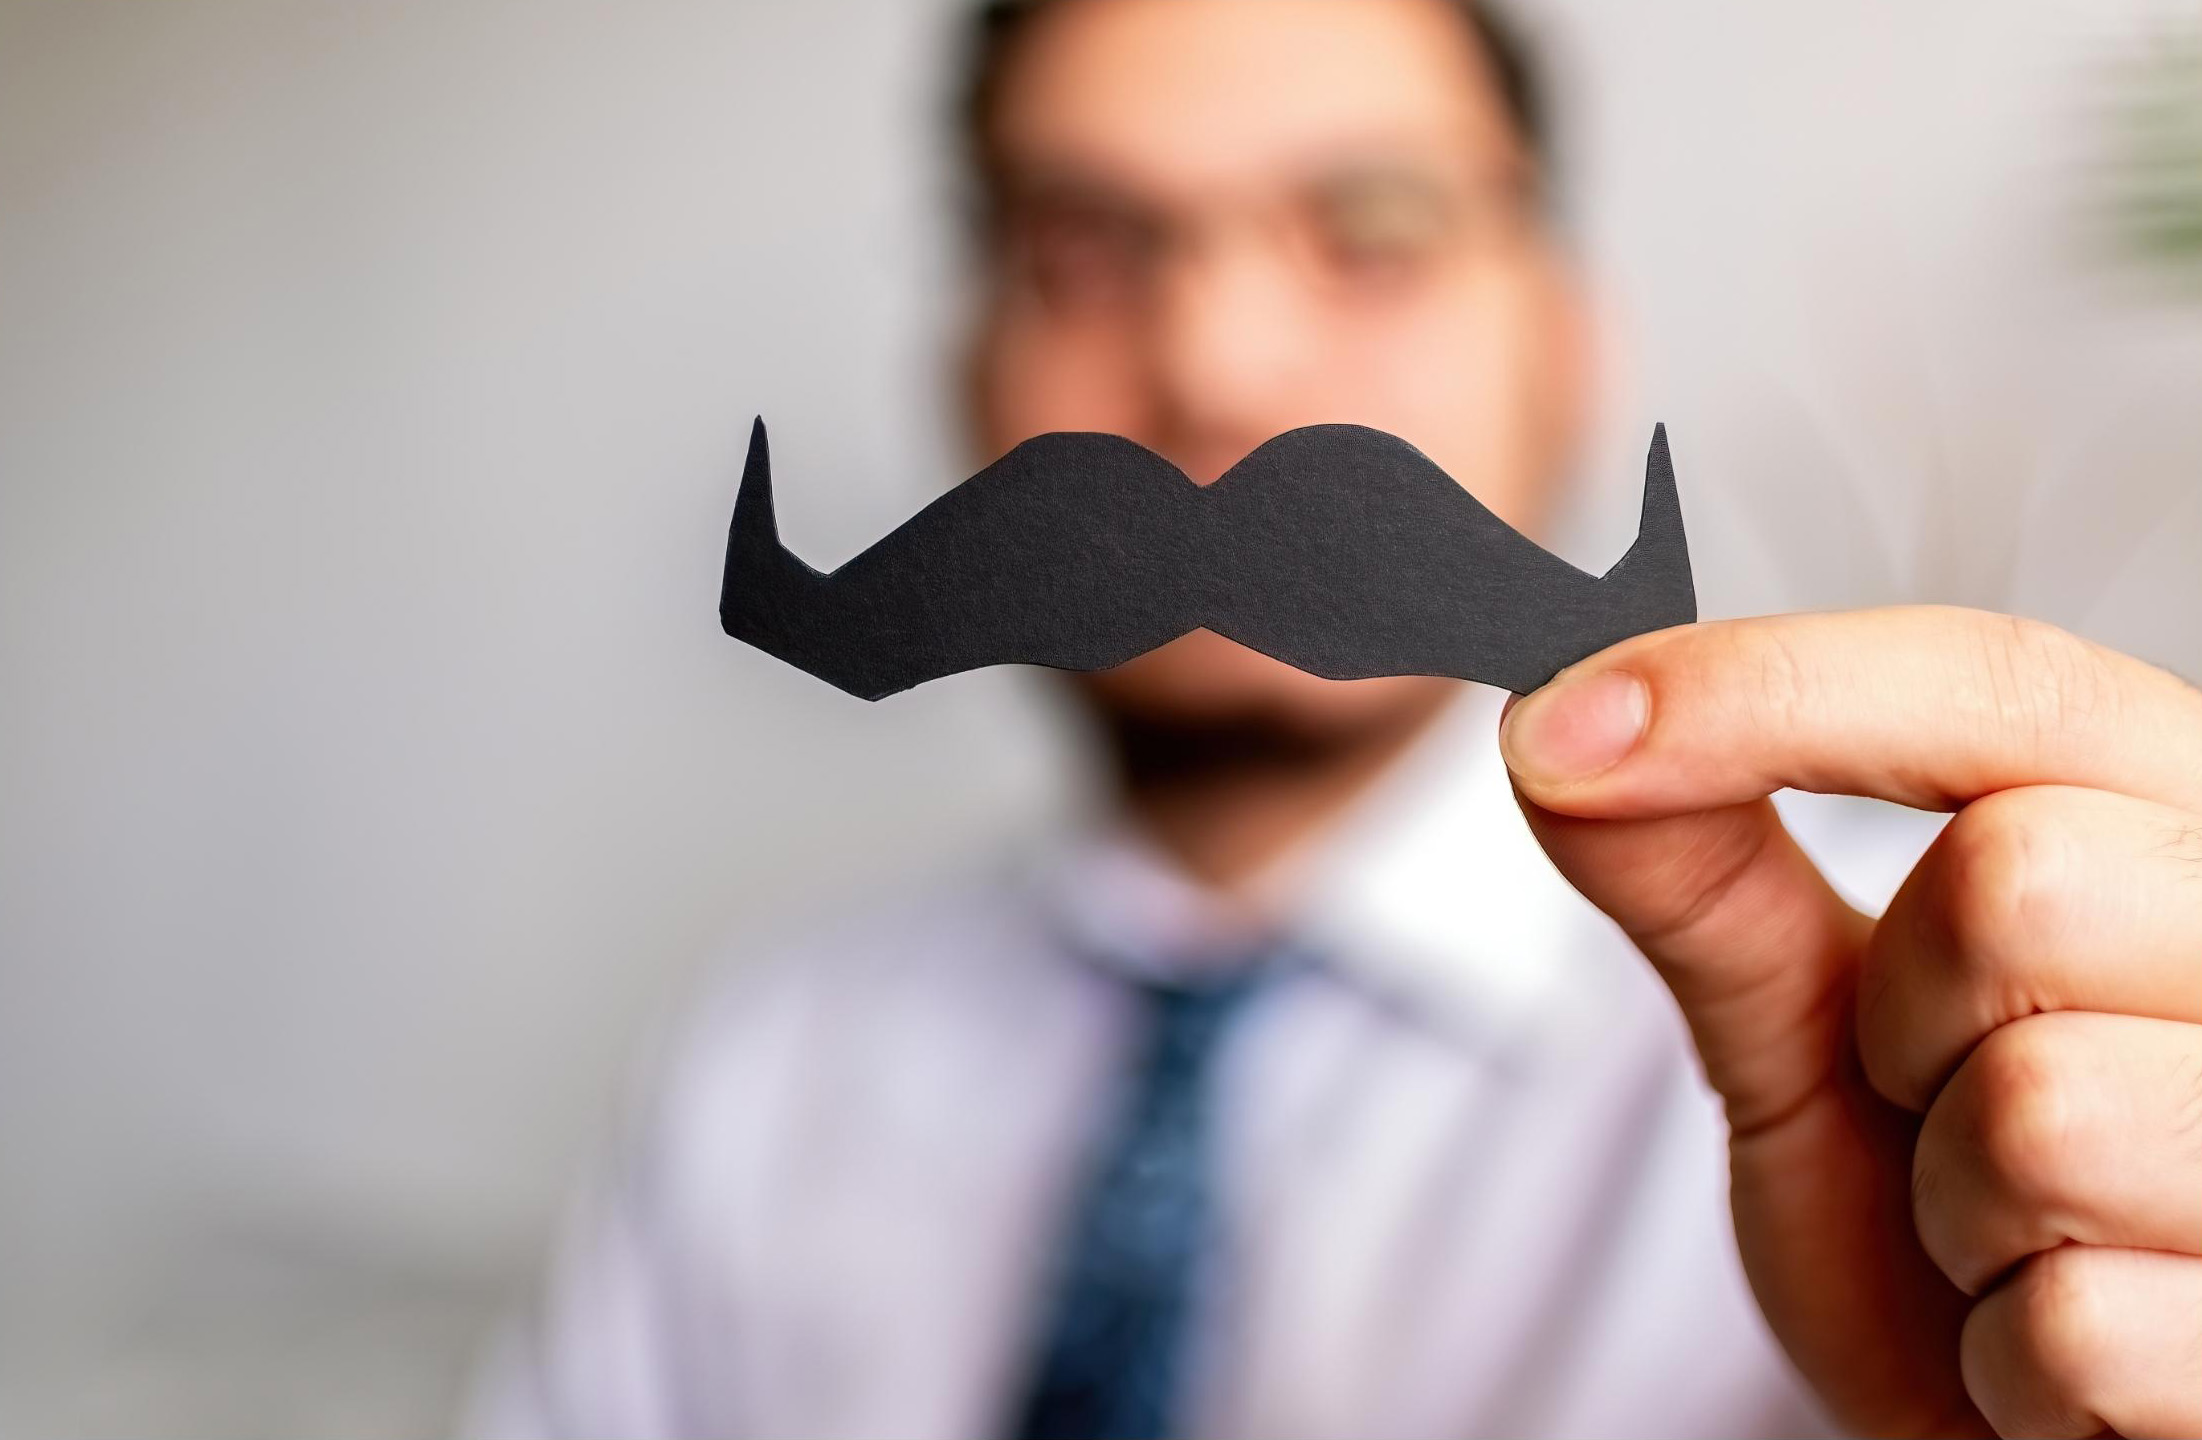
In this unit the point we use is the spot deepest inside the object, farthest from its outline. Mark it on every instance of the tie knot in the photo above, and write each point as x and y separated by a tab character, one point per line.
1187	1018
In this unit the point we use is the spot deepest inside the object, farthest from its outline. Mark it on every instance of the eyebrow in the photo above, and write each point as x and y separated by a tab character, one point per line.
1417	156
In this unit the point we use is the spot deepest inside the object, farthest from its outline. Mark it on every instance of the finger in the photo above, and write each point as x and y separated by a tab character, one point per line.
2084	1339
2068	1127
2041	898
1927	707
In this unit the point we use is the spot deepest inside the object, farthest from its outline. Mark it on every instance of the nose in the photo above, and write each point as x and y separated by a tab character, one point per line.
1231	360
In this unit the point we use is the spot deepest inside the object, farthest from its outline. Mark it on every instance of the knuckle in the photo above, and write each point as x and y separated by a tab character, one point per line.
1784	682
2064	1318
2023	1109
2045	678
2186	1093
2003	885
2181	844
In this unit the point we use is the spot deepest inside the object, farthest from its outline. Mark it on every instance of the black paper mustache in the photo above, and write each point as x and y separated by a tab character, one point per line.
1340	550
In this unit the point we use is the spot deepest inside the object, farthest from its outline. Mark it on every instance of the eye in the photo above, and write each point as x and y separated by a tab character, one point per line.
1380	228
1081	254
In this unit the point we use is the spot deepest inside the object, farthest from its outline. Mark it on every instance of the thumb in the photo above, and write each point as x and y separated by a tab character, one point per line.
1757	947
1760	954
1645	775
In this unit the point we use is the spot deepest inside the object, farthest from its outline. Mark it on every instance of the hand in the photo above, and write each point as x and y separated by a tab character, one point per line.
1966	1140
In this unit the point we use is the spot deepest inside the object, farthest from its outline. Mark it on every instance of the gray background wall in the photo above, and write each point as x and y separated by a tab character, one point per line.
373	780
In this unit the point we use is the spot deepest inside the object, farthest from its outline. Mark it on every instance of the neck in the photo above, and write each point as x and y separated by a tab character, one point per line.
1225	802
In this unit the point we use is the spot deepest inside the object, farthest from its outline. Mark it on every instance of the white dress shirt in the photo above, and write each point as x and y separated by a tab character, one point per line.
1471	1180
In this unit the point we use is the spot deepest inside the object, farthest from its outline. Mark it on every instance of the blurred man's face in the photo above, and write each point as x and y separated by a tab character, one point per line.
1221	220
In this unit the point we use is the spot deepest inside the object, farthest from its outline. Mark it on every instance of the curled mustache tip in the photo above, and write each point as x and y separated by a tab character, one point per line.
1658	562
753	547
1661	519
753	510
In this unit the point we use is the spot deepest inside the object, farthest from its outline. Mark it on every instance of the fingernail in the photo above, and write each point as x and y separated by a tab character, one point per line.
1576	727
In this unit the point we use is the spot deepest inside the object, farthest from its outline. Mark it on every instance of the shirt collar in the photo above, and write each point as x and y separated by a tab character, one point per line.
1430	892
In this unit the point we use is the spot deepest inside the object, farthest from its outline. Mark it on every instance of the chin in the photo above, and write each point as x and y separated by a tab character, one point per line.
1202	682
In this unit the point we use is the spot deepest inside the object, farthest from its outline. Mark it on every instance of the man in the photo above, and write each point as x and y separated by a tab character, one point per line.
1302	1099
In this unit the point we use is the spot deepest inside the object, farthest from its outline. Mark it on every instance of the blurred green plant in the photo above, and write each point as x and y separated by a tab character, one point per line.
2155	173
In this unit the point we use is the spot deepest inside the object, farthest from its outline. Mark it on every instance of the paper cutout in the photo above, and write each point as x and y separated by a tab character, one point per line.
1337	549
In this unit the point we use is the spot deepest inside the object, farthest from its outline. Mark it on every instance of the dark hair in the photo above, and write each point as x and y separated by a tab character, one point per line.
997	25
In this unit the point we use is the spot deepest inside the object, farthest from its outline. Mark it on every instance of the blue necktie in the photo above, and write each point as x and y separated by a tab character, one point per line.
1110	1359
